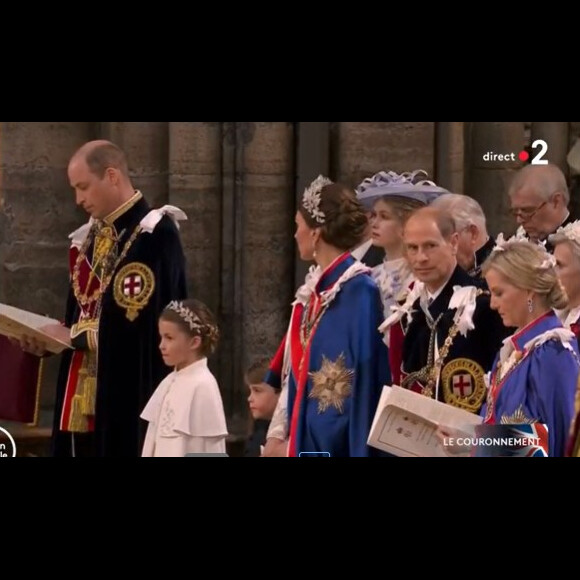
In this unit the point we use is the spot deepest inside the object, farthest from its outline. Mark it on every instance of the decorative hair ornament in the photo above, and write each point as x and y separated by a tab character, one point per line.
571	231
501	243
190	317
391	178
311	198
549	262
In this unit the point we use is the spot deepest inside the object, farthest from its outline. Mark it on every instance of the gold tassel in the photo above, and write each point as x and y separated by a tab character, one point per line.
89	396
37	397
78	421
576	443
576	448
577	397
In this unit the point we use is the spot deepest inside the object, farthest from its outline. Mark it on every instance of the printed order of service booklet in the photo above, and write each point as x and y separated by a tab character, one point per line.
15	323
405	423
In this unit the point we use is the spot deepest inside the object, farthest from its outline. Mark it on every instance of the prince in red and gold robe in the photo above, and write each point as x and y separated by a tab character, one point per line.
124	270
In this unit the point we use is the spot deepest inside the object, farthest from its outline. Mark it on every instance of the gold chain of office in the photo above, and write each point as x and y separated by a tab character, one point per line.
430	372
100	252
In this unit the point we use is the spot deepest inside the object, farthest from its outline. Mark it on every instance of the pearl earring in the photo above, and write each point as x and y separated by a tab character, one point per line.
530	305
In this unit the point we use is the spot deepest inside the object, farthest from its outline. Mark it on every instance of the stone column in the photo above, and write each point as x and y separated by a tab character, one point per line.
488	181
359	150
195	181
38	212
557	137
268	242
195	186
261	211
574	175
312	159
230	367
449	151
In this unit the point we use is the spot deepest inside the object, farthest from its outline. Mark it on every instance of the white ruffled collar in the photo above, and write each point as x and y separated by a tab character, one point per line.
405	309
314	275
509	356
569	317
147	224
392	277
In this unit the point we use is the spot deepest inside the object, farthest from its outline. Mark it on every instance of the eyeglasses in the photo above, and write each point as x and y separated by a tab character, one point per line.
527	214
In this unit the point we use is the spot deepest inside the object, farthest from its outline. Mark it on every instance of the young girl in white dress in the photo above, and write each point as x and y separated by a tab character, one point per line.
185	413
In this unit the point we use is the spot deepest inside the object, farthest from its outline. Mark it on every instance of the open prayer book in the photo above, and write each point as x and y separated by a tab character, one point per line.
15	323
405	423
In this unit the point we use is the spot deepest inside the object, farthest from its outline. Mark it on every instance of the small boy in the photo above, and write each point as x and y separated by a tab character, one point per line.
262	401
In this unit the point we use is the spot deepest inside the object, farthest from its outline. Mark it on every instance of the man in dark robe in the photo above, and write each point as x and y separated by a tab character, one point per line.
126	265
451	335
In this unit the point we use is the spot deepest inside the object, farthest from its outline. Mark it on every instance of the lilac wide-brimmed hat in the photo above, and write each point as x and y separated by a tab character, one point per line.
401	185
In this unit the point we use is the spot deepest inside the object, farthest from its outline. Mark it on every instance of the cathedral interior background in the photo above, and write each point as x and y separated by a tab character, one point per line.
239	184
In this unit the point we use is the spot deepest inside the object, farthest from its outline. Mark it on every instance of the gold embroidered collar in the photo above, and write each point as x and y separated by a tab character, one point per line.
114	216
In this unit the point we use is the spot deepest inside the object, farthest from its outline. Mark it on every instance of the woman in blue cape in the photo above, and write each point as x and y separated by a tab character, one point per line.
535	374
332	363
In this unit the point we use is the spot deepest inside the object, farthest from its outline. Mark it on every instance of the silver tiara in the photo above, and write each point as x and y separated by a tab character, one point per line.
549	262
311	198
501	244
190	317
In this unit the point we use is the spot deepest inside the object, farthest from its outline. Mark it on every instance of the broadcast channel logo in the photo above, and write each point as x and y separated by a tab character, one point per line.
7	450
537	159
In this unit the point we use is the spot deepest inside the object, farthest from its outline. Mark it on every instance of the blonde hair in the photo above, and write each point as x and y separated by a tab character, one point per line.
401	206
561	238
524	265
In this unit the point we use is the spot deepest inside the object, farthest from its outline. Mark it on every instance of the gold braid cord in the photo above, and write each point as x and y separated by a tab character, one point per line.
84	400
429	374
575	452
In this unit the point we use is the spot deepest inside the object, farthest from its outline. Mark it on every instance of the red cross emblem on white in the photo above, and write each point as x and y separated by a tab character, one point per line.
132	285
462	385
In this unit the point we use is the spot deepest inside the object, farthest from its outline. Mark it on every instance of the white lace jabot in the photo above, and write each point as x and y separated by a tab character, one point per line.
392	277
